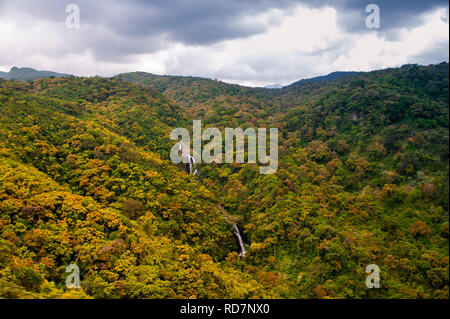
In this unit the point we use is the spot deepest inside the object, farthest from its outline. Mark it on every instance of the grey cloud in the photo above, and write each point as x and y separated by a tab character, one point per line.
189	21
438	53
394	14
113	25
116	29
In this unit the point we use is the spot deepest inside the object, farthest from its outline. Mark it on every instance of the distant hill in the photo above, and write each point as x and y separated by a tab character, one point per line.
25	74
330	77
162	82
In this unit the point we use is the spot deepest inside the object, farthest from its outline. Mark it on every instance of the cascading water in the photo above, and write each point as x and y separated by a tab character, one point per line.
236	231
241	242
185	151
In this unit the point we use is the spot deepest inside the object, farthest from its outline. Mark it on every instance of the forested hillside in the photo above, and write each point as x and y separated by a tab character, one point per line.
85	178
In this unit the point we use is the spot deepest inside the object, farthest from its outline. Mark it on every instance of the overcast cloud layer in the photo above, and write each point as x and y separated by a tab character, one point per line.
241	41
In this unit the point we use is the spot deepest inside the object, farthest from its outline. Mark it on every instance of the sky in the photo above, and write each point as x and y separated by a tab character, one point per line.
248	42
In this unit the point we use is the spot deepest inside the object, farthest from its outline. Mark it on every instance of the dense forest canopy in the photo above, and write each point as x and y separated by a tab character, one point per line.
85	178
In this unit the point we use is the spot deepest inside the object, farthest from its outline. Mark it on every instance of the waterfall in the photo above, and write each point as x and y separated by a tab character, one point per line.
235	231
241	242
185	151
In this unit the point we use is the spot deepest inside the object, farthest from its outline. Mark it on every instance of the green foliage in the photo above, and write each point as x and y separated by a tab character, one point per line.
85	178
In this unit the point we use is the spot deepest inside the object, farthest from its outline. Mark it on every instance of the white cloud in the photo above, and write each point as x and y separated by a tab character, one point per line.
302	43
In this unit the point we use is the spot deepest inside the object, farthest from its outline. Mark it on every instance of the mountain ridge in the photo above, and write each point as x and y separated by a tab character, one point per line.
29	74
329	77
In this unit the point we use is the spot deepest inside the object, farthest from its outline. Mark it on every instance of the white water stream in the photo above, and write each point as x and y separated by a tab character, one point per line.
185	151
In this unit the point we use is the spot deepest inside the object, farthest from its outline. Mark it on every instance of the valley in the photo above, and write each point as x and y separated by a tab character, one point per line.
362	178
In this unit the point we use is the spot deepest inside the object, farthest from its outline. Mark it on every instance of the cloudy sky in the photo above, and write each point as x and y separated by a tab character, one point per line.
250	42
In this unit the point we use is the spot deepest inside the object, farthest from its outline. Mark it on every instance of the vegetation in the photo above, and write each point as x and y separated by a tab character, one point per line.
85	178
